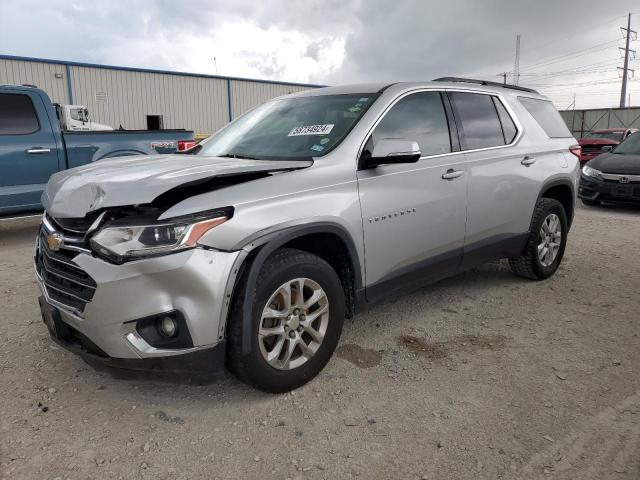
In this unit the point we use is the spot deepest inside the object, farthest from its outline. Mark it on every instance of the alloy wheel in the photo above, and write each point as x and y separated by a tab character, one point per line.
293	324
549	239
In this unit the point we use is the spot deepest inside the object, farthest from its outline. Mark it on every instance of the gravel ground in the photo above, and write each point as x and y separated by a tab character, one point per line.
481	376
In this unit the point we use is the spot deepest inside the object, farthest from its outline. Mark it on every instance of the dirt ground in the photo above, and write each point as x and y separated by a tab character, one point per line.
480	376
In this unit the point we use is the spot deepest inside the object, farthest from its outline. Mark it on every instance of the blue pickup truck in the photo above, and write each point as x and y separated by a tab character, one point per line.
33	147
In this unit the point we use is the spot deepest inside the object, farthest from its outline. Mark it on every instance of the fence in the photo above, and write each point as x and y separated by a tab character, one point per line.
581	122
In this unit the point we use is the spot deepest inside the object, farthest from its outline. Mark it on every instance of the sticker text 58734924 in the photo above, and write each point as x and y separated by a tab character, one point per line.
311	130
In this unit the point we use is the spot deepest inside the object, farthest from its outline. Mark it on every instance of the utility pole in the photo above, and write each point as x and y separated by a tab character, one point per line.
516	64
504	77
626	69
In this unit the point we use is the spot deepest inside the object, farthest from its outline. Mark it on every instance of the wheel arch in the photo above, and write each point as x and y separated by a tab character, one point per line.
330	241
563	191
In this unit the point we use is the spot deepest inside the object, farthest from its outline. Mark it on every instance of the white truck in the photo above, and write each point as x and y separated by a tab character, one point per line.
75	118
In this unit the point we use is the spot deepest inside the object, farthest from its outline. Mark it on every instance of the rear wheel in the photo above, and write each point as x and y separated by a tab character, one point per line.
590	203
547	240
297	316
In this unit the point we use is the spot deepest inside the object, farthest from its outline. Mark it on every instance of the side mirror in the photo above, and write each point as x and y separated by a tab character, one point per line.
392	150
607	148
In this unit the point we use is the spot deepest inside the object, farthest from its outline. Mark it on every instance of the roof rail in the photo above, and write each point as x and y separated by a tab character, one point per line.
484	82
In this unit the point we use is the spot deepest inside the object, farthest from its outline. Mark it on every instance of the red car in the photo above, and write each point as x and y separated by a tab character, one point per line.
601	141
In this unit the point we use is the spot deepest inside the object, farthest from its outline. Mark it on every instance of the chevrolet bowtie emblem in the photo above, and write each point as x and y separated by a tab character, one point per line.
55	241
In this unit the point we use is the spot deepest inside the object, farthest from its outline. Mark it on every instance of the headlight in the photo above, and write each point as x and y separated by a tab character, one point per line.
591	172
135	241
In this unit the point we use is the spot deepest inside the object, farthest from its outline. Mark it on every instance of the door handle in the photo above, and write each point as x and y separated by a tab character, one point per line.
451	174
527	161
38	150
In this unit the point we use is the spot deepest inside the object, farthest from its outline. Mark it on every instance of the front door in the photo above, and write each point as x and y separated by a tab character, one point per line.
413	217
28	152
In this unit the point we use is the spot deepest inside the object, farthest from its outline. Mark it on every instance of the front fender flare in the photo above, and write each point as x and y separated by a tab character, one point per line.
269	243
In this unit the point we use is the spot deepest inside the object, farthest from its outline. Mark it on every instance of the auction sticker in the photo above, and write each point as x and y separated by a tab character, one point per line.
311	130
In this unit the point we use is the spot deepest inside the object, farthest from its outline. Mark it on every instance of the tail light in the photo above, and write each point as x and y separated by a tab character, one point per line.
576	150
186	145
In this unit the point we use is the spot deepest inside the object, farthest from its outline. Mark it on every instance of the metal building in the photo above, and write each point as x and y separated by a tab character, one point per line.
136	98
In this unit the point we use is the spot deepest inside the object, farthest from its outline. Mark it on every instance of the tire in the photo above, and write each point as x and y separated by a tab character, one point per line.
286	266
591	203
529	265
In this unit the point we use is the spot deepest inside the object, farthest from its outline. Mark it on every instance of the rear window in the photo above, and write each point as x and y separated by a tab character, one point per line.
17	115
481	126
547	117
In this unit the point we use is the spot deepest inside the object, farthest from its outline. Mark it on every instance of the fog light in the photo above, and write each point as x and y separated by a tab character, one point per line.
168	327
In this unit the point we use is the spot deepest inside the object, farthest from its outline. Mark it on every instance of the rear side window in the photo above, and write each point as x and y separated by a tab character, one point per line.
547	117
508	127
419	117
478	116
17	115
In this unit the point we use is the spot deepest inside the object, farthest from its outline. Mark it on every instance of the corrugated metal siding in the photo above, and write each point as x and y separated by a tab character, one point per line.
117	96
41	74
246	95
581	122
120	97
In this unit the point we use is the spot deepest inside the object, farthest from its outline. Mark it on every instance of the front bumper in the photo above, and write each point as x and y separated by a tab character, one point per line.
608	190
196	283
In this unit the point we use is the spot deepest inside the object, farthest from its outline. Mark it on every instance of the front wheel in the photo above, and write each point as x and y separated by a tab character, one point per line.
546	243
297	316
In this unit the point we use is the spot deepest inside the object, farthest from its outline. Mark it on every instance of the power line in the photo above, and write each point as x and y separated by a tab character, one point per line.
577	53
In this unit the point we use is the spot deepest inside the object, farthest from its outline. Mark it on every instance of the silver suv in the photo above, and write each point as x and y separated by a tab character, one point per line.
250	250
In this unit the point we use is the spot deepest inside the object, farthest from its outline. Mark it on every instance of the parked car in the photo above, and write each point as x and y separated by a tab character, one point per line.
613	176
76	118
33	146
601	141
251	250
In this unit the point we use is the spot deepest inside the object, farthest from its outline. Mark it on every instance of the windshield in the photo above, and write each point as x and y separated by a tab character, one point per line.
290	128
617	136
631	146
79	114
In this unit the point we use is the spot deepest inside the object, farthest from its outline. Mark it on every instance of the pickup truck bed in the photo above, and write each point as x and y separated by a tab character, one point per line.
33	147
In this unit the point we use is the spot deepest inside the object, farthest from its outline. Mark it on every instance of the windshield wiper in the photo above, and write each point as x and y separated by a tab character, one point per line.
235	155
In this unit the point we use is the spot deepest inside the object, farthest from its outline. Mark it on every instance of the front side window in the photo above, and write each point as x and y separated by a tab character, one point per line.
290	128
17	115
419	117
478	117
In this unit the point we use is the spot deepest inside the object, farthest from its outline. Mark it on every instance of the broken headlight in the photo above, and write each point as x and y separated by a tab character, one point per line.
134	241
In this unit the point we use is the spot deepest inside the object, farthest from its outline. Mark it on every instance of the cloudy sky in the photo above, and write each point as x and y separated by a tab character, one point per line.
567	47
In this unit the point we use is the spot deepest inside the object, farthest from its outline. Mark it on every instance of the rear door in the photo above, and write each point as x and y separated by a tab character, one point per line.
413	218
28	152
501	186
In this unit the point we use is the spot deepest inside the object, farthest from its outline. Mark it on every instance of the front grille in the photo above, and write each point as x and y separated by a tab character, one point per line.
65	282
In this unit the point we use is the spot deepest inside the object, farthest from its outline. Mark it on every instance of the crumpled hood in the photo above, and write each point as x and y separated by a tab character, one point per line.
140	179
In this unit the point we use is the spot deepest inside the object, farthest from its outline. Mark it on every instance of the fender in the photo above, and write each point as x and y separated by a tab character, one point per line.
271	242
565	182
